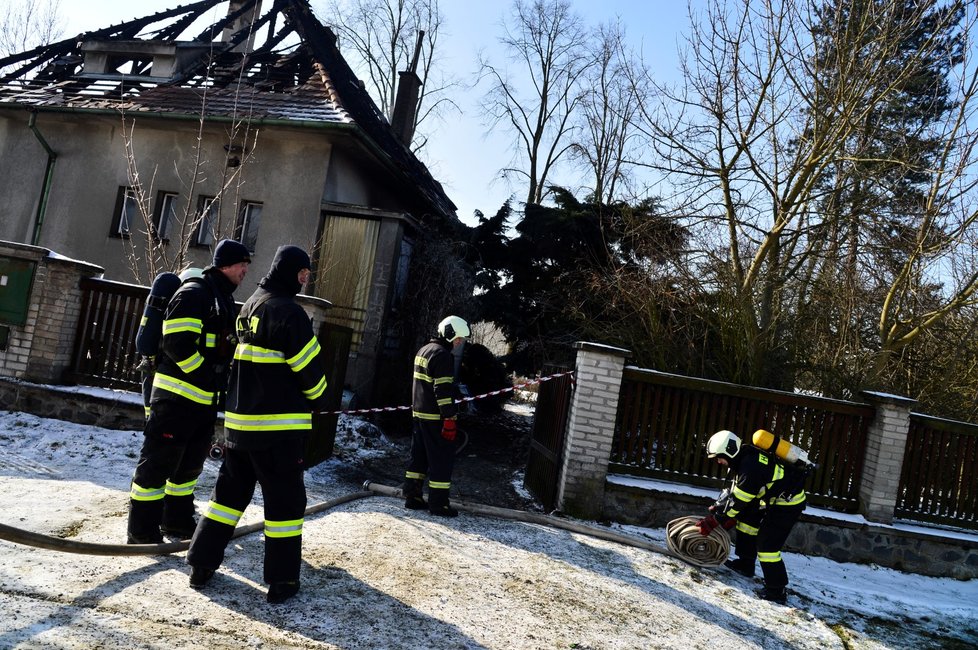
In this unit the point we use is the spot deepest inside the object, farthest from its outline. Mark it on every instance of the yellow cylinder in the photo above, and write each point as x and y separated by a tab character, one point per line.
779	446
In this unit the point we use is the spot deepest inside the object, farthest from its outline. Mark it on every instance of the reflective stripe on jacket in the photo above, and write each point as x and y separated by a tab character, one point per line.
760	478
434	382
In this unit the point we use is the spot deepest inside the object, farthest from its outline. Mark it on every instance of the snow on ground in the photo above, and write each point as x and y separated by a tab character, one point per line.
378	576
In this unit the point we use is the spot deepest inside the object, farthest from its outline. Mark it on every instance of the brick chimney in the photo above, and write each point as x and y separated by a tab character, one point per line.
406	103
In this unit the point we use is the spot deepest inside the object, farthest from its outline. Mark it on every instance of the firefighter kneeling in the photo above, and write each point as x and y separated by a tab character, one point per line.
764	501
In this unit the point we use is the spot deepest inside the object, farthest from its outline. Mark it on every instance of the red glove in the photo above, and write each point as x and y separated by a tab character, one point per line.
448	430
707	524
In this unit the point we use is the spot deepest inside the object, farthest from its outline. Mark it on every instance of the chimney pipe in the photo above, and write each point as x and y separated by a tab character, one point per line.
244	21
406	103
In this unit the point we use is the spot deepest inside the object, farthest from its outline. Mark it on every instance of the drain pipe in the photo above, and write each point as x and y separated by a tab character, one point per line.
48	177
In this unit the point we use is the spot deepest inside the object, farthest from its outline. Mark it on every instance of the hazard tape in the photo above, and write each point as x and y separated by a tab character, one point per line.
388	409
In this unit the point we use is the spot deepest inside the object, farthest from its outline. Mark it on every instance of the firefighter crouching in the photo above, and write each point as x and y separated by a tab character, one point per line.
764	501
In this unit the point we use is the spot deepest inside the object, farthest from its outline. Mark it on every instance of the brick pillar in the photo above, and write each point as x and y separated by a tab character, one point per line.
886	443
591	425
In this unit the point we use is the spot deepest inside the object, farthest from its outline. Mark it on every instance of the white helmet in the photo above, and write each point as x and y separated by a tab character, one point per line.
723	443
191	272
453	327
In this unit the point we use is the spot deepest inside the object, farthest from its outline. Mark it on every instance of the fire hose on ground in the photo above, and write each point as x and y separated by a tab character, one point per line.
703	552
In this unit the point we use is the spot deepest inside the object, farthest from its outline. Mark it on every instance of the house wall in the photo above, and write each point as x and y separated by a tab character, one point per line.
285	171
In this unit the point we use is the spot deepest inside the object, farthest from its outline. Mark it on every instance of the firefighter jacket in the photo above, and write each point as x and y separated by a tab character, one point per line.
760	479
277	377
195	346
434	382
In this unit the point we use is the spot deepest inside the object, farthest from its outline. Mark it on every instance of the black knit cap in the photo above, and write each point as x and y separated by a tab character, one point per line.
284	272
229	253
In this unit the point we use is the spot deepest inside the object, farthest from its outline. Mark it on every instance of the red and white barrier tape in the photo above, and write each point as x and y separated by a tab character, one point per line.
387	409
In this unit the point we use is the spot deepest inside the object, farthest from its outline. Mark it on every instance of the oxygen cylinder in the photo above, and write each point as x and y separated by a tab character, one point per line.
780	447
151	324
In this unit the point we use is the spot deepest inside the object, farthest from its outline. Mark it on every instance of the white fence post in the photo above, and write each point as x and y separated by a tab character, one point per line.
886	443
590	428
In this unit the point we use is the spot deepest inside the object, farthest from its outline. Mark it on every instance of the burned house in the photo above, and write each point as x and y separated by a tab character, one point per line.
139	145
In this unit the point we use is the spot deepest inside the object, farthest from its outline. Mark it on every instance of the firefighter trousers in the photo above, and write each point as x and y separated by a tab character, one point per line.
433	457
176	440
278	470
761	534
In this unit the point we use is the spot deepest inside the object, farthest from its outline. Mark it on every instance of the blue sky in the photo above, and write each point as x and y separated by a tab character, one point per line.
460	154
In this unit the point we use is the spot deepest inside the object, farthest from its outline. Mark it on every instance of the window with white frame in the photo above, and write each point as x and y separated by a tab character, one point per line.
249	220
126	213
166	214
208	210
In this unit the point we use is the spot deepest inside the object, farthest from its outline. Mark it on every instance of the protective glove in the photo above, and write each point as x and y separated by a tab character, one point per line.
707	524
448	430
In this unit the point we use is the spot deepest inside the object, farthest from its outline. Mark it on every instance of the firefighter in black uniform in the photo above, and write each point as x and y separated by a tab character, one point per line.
277	380
190	379
764	501
434	412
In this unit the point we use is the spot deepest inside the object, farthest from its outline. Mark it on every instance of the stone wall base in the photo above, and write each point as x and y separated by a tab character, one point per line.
924	553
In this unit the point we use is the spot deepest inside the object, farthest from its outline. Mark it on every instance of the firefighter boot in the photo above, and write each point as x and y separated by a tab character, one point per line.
412	491
144	522
438	503
775	581
741	566
178	516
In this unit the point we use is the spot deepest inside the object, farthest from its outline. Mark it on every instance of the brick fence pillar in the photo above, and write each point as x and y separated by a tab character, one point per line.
886	443
590	428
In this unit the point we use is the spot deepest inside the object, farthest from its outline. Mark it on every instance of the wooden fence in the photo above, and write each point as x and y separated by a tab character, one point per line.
939	481
104	351
664	421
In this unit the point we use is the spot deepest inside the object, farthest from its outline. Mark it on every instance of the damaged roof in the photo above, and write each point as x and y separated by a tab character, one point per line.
285	65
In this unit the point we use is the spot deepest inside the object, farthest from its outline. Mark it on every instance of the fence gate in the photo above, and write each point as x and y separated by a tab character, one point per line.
546	446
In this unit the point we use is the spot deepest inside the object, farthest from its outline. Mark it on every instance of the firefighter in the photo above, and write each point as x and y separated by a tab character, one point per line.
764	501
187	387
277	380
434	413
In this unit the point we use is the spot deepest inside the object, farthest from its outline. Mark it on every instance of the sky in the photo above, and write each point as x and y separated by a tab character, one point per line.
460	153
375	575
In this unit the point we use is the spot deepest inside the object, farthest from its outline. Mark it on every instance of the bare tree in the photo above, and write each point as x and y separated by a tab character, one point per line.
548	43
25	24
382	37
606	134
750	137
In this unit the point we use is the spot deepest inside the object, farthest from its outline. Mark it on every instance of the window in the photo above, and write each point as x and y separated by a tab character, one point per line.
166	215
248	222
208	211
126	213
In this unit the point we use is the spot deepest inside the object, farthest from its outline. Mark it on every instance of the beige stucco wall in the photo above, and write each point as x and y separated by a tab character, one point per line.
285	171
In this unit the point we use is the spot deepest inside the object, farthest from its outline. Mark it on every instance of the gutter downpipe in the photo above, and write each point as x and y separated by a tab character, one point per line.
48	177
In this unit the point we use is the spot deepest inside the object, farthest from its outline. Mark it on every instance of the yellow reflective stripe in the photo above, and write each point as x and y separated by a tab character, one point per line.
778	474
181	490
317	390
191	363
426	416
732	512
421	361
183	389
139	493
143	321
283	528
210	340
439	485
175	325
444	401
420	376
256	354
791	501
414	475
146	409
223	514
746	529
443	380
305	355
769	556
267	421
742	495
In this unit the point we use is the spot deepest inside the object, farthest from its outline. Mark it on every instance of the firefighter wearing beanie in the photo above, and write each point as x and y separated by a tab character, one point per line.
277	380
190	379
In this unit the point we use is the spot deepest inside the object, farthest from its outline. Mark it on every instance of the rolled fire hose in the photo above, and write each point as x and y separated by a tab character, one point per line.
684	539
